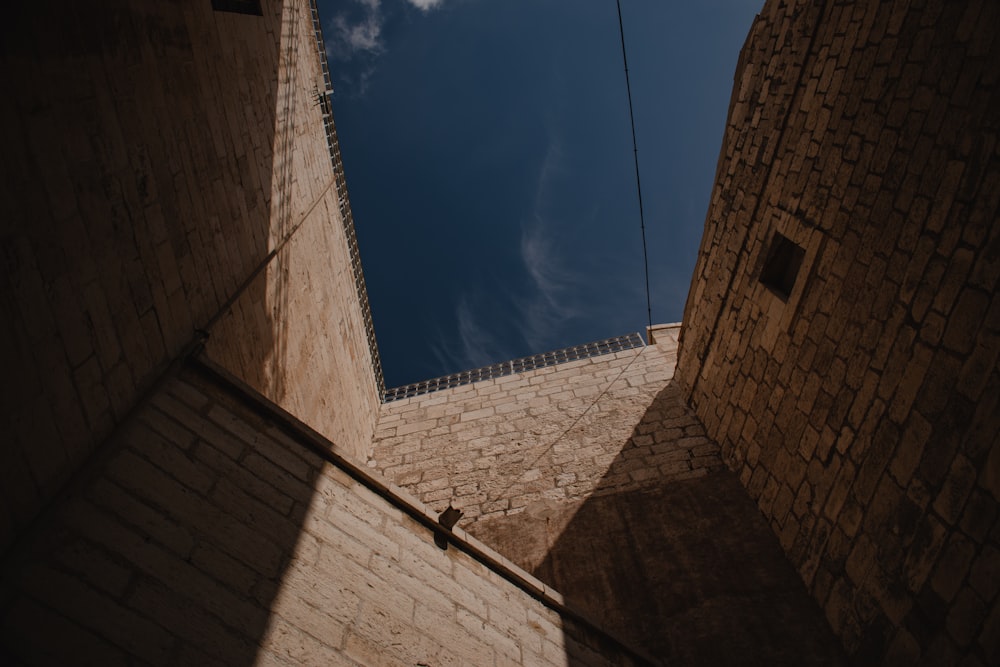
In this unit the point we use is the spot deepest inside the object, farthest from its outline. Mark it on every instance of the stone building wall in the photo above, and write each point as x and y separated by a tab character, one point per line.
297	332
495	447
216	534
858	400
155	154
597	478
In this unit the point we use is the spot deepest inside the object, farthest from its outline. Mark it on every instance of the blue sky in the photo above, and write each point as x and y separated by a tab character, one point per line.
489	162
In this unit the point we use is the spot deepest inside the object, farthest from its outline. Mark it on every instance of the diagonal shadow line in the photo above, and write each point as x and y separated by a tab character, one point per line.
531	466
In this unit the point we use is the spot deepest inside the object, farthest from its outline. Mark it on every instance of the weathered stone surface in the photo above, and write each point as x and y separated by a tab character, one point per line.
155	156
158	560
168	171
866	136
494	447
688	569
616	499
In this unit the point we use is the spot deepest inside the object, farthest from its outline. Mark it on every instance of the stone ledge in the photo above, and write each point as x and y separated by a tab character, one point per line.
663	332
402	500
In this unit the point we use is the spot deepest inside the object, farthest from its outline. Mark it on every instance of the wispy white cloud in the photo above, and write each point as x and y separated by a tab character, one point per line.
365	36
425	5
357	30
540	258
548	170
476	345
551	302
541	309
354	40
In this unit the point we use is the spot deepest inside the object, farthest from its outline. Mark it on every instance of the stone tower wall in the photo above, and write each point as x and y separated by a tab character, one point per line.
859	404
155	156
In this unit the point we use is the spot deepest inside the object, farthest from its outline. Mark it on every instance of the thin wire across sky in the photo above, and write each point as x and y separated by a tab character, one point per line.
635	156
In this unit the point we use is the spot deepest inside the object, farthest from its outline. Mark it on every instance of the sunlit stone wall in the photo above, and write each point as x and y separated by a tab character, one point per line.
496	447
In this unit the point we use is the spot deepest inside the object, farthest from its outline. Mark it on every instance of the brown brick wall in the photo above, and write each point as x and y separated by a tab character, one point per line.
154	154
597	478
495	447
297	332
213	535
861	411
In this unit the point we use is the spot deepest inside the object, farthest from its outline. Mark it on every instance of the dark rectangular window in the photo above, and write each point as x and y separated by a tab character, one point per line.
781	268
251	7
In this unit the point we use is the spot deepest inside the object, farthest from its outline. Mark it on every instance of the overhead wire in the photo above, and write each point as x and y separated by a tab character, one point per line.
635	156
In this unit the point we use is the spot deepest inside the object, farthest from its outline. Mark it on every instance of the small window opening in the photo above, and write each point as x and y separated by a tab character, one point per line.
251	7
781	268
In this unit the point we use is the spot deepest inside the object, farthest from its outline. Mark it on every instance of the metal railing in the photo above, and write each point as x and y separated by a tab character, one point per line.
574	353
344	202
567	354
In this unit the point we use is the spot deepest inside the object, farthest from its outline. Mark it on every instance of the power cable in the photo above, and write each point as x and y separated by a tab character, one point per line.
638	183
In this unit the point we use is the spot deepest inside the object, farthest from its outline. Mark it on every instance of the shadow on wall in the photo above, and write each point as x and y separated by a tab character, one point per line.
175	552
257	335
153	163
155	154
683	566
298	333
138	158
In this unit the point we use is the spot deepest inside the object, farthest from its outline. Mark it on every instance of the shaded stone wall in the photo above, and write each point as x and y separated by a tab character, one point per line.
597	478
214	535
687	569
858	402
155	155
